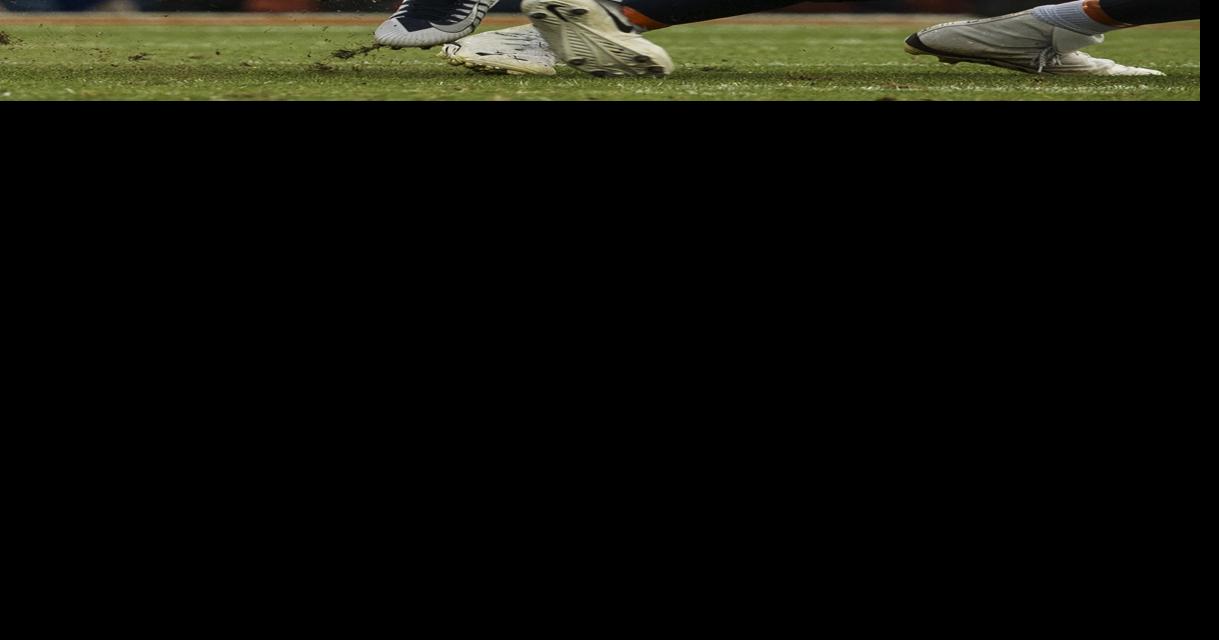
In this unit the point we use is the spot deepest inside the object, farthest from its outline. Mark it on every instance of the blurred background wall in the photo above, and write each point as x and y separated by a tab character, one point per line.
983	7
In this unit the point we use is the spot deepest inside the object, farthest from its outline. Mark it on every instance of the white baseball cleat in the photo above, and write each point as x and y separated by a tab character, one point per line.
516	50
427	23
593	38
1019	41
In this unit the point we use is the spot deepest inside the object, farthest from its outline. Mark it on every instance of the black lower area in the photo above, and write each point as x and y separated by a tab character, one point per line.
685	11
1152	11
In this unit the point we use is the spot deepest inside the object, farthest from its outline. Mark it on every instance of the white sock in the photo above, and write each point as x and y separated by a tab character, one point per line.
1071	15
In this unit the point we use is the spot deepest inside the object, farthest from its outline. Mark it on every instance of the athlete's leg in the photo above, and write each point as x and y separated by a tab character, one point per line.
1048	39
653	14
1098	16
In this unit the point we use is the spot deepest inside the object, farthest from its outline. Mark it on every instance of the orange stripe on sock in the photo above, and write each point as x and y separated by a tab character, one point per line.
1094	11
640	20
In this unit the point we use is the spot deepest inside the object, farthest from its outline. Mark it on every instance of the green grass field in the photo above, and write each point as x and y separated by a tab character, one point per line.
799	59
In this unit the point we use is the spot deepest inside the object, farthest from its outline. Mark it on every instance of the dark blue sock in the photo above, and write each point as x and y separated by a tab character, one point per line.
1152	11
670	12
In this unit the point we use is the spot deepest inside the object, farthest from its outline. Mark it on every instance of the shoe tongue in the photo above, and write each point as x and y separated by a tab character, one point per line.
1066	40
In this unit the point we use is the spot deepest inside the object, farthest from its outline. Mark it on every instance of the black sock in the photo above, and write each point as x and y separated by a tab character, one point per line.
669	12
1152	11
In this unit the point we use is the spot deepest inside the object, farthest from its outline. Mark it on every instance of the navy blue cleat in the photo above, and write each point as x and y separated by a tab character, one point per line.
427	23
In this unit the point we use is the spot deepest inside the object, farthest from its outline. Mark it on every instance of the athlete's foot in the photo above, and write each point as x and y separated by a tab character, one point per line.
427	23
593	37
516	50
1019	41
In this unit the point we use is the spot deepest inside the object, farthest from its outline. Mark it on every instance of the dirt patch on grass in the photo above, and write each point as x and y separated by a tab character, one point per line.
6	39
344	54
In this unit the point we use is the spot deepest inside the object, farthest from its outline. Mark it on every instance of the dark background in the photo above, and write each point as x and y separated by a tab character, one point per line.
985	7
